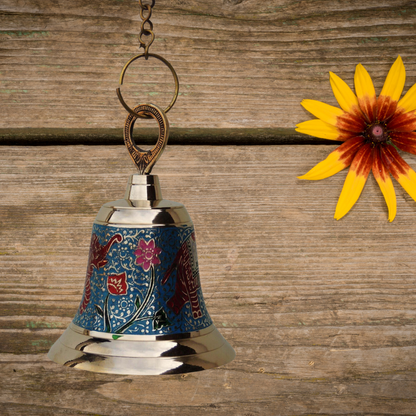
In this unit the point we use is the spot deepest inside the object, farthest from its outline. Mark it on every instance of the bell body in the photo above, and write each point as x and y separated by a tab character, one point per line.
142	310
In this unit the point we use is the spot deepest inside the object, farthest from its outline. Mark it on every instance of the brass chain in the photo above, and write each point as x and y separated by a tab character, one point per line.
146	28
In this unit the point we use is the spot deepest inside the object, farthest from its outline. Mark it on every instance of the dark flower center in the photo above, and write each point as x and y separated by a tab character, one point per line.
377	133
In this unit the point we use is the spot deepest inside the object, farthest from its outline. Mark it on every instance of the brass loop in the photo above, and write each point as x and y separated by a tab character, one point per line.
147	7
143	5
144	44
144	30
172	70
145	159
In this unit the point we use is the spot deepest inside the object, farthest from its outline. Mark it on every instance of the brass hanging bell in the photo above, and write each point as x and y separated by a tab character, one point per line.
142	310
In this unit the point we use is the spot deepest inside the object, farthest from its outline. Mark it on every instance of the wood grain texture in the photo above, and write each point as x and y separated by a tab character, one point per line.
321	312
242	64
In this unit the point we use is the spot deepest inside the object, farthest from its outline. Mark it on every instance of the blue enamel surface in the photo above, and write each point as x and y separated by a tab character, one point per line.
121	300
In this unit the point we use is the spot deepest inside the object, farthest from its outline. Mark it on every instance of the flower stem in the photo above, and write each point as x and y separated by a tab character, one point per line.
107	321
143	306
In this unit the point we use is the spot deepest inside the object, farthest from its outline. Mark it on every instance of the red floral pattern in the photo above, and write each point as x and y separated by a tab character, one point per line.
117	284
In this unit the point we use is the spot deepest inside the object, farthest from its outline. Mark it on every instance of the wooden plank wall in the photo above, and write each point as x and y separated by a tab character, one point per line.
320	312
242	64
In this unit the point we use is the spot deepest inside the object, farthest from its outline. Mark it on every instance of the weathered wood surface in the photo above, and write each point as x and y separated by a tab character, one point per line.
321	313
242	64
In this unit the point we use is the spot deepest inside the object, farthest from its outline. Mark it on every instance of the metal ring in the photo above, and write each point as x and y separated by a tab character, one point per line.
145	31
147	7
143	5
145	159
143	44
167	63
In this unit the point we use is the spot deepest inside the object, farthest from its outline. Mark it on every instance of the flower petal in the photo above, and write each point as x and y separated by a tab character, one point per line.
155	260
386	107
366	93
382	176
334	116
355	181
319	128
392	90
351	122
343	93
337	160
403	122
399	169
405	141
146	265
394	83
325	112
408	102
140	260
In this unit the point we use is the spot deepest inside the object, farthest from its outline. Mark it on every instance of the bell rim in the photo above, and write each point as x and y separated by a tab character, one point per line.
204	356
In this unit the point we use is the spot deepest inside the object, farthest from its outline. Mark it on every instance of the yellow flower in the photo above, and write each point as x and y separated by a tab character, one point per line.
371	129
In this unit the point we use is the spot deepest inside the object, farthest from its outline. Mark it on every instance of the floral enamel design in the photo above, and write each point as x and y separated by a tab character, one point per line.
117	285
147	254
187	279
96	260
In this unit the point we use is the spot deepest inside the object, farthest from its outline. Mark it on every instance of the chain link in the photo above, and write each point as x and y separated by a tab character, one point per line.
146	28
